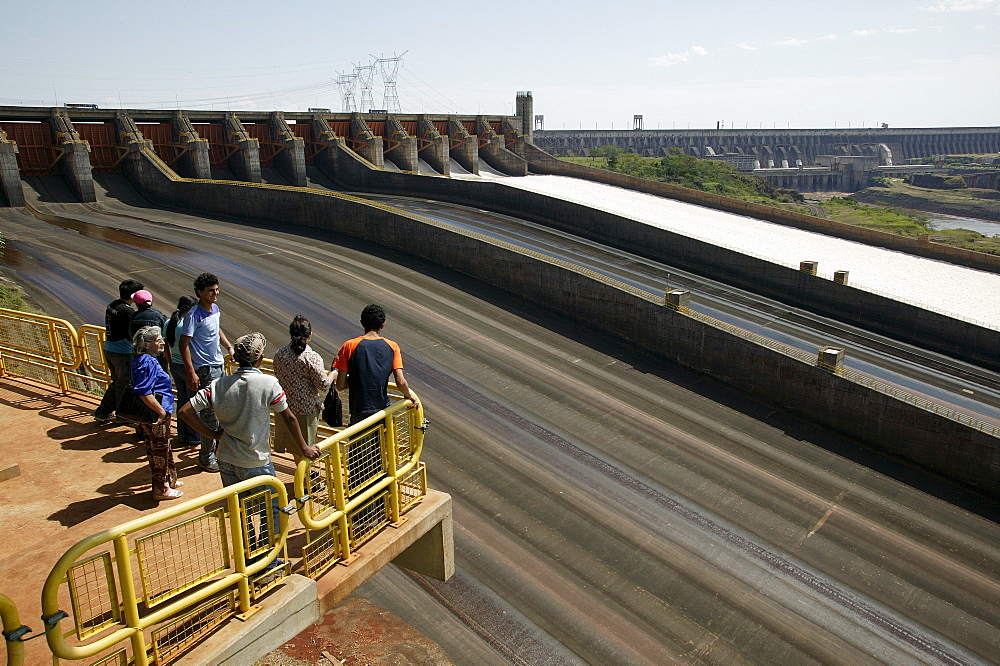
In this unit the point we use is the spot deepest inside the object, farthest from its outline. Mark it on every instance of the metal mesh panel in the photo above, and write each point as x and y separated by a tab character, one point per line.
93	595
404	451
267	579
322	551
364	460
177	558
365	522
320	489
413	487
172	638
260	524
28	338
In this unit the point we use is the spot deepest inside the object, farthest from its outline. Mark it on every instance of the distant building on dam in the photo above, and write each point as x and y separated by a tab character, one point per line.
806	160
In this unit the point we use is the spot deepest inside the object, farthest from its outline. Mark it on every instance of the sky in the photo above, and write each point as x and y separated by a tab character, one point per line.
589	64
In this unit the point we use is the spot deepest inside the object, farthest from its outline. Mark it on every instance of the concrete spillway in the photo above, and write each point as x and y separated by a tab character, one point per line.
934	285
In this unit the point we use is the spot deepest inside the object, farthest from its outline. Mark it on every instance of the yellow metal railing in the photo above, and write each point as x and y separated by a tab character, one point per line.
13	631
158	587
175	582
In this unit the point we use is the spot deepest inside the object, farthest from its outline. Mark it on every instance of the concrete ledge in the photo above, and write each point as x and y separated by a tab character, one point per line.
433	556
284	613
10	472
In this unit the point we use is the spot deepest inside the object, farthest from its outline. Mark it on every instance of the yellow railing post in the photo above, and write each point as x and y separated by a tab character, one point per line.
130	602
11	623
390	449
340	500
236	522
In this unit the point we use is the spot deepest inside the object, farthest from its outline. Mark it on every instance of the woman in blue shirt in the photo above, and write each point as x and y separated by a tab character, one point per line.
152	384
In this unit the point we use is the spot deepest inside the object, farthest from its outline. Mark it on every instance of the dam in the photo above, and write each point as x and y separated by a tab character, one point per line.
614	503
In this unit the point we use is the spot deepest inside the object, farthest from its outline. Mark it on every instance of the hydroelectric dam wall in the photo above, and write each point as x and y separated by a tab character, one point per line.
971	457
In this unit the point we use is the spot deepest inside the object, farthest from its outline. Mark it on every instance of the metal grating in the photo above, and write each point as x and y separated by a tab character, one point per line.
258	535
366	521
93	595
267	579
364	459
413	487
169	640
404	451
178	558
322	551
320	488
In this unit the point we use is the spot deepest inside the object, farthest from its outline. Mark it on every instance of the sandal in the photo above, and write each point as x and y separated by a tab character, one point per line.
169	495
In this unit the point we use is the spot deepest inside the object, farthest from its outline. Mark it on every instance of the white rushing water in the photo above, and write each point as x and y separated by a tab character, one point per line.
961	292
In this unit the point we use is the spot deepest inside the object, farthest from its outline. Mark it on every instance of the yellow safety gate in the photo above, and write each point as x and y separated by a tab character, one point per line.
145	591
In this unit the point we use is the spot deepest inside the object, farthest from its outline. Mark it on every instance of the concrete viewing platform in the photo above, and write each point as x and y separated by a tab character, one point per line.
64	477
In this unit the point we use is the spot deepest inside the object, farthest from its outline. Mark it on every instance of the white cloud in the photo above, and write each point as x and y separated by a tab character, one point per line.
901	31
865	33
826	38
746	46
670	59
960	6
792	42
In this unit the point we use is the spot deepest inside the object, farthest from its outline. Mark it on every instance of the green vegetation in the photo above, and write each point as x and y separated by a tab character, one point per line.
12	298
965	161
713	176
892	220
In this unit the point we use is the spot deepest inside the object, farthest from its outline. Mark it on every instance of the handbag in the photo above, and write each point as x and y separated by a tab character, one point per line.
132	408
333	408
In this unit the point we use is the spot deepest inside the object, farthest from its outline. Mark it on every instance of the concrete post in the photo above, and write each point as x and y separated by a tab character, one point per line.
11	193
432	146
831	358
809	267
195	161
365	142
74	163
678	299
291	161
401	148
132	141
245	162
463	146
513	138
840	277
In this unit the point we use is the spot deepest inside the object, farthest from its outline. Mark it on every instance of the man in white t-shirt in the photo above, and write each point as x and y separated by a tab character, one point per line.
242	403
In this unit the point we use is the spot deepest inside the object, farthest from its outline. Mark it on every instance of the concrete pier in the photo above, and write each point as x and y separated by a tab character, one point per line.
195	161
365	143
462	146
493	152
291	157
433	146
245	161
74	160
10	177
399	146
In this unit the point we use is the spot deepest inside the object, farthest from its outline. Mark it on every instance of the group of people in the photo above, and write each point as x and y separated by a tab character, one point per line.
227	416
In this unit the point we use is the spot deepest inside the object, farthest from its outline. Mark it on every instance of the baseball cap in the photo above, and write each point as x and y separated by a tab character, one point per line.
142	296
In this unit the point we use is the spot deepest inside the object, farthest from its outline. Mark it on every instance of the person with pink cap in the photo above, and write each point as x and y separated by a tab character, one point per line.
147	315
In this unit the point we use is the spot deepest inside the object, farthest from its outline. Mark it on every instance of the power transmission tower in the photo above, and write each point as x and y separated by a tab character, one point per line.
390	70
365	74
346	85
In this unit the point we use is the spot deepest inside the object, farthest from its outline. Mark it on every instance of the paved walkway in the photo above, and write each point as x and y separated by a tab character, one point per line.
75	477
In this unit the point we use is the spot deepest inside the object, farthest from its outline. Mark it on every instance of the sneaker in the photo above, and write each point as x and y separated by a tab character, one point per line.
104	419
210	467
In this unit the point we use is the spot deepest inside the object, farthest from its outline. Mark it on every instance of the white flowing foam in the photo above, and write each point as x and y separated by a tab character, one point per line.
961	292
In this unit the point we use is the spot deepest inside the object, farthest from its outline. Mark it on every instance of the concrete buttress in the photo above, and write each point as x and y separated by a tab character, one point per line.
463	146
10	177
432	147
492	150
74	160
195	161
364	141
291	159
400	147
245	162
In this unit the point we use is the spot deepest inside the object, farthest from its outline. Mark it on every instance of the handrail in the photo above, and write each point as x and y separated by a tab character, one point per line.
135	622
11	626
